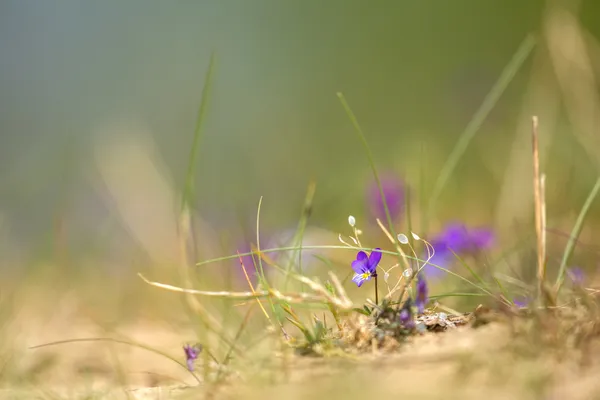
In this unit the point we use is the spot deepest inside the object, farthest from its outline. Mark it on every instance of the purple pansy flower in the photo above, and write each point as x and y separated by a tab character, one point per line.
421	298
393	190
365	266
191	354
461	240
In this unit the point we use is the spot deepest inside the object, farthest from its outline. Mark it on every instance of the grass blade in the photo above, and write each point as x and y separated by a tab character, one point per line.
456	294
299	234
575	234
471	270
479	117
369	154
188	189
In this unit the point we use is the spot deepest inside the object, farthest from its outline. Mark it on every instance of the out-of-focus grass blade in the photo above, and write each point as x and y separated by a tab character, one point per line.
188	189
291	248
371	160
299	235
479	117
457	294
501	287
471	270
575	234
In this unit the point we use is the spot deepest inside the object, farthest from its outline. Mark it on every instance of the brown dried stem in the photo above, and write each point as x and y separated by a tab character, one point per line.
539	180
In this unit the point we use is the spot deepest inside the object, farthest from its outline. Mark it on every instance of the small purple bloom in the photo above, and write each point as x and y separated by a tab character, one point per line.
461	240
365	266
521	301
577	276
191	354
393	190
406	315
421	298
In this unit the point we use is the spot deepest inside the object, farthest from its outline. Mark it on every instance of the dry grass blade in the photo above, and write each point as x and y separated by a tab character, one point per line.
266	314
538	199
323	295
223	294
540	214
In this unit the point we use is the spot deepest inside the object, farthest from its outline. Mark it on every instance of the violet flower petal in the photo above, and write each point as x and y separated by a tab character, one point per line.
359	279
374	259
421	298
361	264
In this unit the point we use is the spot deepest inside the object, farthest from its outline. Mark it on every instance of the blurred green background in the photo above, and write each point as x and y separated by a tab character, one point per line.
98	102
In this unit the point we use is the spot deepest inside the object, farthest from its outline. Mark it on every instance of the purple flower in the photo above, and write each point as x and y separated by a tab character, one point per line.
461	240
577	276
191	354
421	298
393	190
521	301
406	315
365	266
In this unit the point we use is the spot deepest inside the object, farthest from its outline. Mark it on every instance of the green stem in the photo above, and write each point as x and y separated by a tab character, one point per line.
376	291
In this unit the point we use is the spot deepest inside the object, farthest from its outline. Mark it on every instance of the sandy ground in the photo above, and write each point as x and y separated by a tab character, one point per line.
465	363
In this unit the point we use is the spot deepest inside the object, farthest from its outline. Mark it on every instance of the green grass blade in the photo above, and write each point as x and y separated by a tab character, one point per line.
471	270
188	189
457	294
575	234
260	271
371	160
501	287
479	117
296	248
299	235
275	306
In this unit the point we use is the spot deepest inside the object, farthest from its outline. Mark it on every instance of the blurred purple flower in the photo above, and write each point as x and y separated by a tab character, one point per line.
461	240
406	315
521	301
421	298
191	354
365	266
393	190
577	276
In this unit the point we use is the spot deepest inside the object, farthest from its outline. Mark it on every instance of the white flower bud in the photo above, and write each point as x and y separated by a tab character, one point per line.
351	221
402	238
415	236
